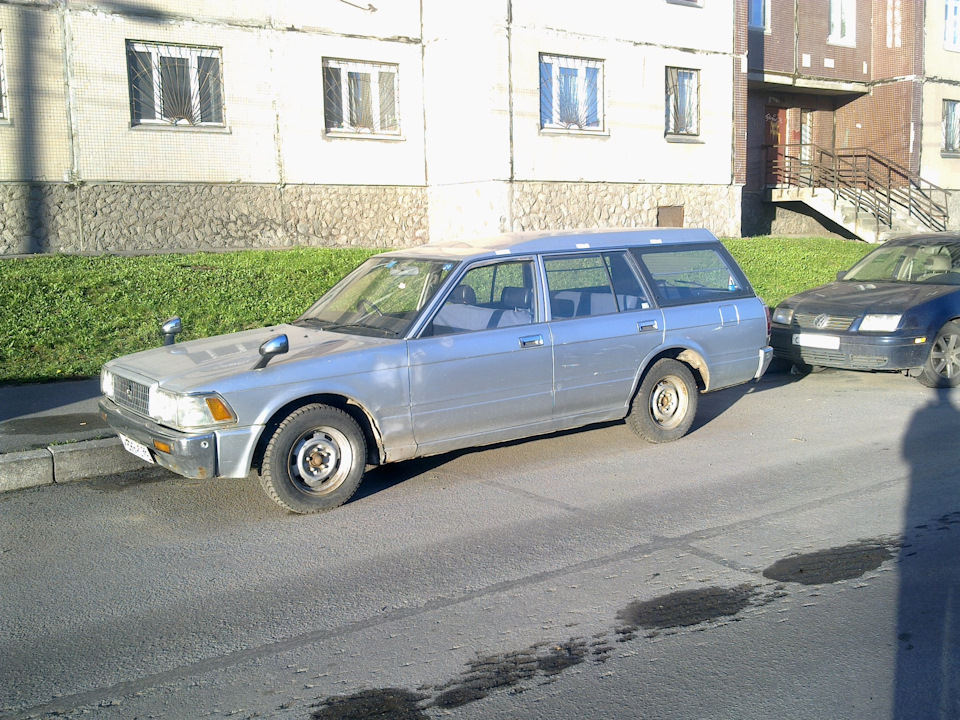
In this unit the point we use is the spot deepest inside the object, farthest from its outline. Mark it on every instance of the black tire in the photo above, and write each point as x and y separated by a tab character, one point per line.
942	368
666	403
314	461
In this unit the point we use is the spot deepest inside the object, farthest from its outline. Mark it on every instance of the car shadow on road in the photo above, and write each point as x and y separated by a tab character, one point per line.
927	683
711	406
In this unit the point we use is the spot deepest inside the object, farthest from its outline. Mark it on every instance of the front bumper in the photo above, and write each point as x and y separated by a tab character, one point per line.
855	352
191	455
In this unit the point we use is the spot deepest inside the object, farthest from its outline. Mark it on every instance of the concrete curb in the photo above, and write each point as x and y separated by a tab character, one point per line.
66	463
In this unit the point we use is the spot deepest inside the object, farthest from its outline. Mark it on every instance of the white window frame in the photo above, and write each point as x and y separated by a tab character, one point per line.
951	25
950	125
557	115
346	113
169	115
689	78
4	107
843	23
761	8
688	3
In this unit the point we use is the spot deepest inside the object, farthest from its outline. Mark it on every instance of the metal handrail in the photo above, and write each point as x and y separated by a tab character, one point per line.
868	181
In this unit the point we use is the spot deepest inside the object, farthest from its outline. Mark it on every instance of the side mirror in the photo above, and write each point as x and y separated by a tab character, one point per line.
170	329
274	346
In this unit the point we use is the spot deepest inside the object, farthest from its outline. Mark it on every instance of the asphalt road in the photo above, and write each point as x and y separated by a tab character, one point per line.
795	556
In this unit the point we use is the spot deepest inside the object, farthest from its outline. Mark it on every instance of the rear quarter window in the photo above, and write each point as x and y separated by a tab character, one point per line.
693	274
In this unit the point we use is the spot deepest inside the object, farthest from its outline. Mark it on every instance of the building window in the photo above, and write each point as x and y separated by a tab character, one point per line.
951	25
691	3
3	82
360	97
682	115
174	84
951	126
571	93
843	22
758	14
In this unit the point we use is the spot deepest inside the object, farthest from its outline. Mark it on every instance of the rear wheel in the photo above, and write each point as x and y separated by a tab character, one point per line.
315	460
666	403
942	368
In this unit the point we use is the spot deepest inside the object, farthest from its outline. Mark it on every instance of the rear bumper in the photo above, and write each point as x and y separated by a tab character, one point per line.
856	352
191	455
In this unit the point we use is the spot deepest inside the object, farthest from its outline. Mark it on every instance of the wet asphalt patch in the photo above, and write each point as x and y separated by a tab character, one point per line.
686	608
386	703
829	566
698	609
53	424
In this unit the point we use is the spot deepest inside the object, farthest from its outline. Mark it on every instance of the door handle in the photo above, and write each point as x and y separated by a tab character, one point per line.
531	341
647	325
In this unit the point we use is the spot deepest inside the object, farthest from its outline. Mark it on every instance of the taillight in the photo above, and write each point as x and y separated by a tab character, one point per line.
768	322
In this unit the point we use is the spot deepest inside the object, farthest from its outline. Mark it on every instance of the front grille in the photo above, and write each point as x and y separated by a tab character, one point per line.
810	321
131	395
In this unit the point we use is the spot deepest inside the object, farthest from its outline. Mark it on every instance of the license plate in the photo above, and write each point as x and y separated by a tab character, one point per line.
824	342
138	449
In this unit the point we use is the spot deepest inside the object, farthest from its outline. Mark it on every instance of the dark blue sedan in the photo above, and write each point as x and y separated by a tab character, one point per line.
897	309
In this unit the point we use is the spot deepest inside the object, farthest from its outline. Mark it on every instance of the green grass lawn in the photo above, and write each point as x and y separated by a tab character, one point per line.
63	316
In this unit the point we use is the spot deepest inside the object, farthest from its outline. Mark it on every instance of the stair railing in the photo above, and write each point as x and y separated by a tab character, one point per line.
868	181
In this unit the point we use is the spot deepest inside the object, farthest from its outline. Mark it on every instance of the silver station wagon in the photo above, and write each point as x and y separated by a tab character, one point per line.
446	346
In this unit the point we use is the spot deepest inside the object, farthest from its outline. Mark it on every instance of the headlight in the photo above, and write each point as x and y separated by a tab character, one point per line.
106	383
783	315
189	411
879	323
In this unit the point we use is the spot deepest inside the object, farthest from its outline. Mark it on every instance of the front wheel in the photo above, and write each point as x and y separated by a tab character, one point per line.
315	460
666	403
942	368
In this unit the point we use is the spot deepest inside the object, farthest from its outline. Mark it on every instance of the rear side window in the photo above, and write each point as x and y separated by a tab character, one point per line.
683	275
592	284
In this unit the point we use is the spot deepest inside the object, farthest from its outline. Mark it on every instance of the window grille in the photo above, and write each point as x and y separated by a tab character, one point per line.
951	126
174	84
360	97
571	93
682	101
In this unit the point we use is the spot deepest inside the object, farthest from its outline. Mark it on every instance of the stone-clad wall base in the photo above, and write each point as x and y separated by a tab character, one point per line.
125	217
37	218
547	206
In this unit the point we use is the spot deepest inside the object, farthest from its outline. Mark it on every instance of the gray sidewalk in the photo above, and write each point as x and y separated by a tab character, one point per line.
53	433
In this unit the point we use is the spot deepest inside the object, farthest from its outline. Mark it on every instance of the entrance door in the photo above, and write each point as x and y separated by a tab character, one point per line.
775	128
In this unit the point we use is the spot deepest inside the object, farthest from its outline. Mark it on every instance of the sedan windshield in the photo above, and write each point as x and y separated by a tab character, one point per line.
381	297
935	263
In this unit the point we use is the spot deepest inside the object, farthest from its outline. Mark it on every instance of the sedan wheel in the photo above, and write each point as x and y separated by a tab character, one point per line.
942	368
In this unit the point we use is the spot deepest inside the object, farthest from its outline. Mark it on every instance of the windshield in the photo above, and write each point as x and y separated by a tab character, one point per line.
935	263
381	297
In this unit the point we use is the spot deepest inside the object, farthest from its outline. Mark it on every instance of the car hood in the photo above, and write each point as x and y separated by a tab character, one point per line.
857	298
203	363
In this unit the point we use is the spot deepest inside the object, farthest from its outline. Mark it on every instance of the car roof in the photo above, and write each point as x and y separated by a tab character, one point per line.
924	238
526	243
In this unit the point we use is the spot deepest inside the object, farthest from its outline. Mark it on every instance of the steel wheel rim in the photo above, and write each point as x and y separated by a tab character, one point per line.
945	356
320	460
669	402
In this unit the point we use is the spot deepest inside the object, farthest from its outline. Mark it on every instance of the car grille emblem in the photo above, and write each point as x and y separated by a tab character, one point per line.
821	321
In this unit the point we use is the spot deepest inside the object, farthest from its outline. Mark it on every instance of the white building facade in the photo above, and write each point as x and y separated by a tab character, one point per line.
157	125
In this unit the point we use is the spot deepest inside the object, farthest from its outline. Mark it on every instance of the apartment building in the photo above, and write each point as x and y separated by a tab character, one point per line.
855	94
154	125
150	125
